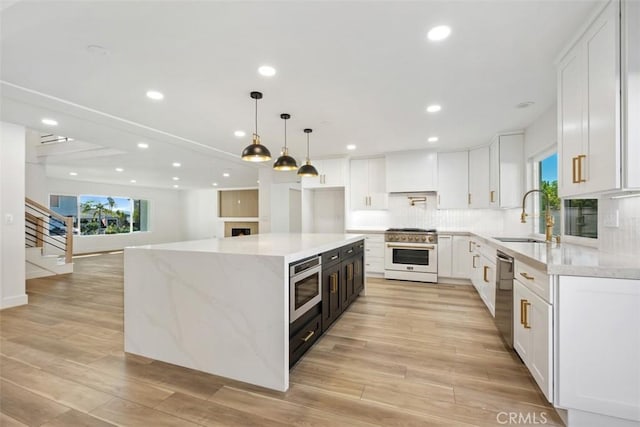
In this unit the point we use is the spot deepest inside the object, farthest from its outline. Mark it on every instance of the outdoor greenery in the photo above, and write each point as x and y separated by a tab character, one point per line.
550	188
103	218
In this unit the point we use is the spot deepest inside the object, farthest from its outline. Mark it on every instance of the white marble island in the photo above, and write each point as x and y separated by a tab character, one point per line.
219	305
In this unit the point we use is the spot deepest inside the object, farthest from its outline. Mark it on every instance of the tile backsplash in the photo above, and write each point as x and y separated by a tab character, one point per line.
624	239
426	215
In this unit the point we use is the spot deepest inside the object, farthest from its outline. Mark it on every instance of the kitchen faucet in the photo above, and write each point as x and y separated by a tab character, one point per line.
547	214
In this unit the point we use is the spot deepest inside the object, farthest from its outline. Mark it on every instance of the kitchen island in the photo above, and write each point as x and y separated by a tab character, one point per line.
219	306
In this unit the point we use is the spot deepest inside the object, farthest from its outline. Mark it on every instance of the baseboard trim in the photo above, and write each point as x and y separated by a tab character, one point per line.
452	281
14	301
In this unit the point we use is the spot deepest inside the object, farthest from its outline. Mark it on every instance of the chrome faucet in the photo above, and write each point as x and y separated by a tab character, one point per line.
549	222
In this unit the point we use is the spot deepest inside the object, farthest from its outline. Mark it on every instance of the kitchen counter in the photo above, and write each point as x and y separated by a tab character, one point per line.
219	305
567	259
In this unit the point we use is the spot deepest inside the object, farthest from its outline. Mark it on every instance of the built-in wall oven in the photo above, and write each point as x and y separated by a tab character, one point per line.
305	286
411	254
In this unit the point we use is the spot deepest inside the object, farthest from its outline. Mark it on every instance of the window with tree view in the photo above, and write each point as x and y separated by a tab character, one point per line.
548	183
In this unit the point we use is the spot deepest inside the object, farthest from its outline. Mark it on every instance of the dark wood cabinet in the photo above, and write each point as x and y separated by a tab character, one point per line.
358	281
348	272
332	287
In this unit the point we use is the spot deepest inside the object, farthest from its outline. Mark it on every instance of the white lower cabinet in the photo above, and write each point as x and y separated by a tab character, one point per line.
454	257
533	335
483	277
599	348
374	253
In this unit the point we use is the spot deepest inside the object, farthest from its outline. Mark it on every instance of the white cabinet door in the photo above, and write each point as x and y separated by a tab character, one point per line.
359	184
445	244
489	284
453	180
333	171
461	257
521	332
479	178
540	355
378	197
411	171
494	173
601	164
476	275
599	345
511	170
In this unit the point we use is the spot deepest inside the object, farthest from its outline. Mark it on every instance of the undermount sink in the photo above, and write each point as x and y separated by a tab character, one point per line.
518	240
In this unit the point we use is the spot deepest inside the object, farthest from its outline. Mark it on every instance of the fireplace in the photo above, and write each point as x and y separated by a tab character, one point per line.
239	231
240	228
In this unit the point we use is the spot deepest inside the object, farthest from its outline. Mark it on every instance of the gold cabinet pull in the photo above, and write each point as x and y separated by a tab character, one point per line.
580	158
526	276
492	195
484	273
349	271
469	199
522	301
526	314
470	243
474	260
334	283
309	335
574	177
438	200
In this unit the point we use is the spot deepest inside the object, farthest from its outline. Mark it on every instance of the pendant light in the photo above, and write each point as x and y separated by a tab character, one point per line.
307	169
285	162
256	152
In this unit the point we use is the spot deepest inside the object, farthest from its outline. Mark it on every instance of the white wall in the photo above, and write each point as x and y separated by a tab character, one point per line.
541	134
12	193
201	214
165	213
36	176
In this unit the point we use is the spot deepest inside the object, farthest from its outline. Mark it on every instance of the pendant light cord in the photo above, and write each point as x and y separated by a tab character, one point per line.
285	134
307	146
256	116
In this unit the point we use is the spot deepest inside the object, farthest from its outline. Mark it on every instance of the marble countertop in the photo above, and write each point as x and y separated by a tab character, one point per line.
292	246
568	259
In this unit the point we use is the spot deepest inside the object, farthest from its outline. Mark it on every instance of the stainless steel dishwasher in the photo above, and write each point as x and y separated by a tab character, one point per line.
504	298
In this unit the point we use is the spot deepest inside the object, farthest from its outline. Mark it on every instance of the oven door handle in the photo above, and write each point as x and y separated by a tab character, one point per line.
428	248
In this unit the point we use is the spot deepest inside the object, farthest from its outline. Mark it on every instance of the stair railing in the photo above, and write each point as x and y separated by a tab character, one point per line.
46	228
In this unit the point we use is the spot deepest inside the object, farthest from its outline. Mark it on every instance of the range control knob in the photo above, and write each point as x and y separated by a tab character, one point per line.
423	238
431	238
410	238
404	237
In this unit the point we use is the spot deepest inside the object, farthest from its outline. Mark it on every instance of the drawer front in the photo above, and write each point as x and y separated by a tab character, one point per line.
374	238
359	246
331	257
304	339
348	251
374	249
374	264
488	251
535	280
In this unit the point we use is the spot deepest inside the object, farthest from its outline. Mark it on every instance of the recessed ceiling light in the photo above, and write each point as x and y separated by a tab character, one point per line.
351	147
175	186
438	33
215	184
49	122
433	108
525	104
239	133
155	95
73	173
133	181
267	71
119	170
175	178
143	145
226	175
176	164
433	139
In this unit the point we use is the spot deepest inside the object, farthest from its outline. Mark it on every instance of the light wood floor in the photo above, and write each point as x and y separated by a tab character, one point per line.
404	355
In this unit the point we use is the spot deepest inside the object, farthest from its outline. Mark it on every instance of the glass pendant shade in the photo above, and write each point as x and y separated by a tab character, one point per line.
285	162
308	169
256	152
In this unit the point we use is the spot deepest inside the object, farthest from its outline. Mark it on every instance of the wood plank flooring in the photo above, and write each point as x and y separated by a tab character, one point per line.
405	355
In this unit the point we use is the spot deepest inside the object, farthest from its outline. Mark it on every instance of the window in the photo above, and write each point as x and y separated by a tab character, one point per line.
140	215
548	182
104	215
65	206
581	218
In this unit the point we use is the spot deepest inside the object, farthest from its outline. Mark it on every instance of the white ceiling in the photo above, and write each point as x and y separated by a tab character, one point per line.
356	72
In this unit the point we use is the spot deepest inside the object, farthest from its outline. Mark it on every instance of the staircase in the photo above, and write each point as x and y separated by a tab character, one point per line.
48	241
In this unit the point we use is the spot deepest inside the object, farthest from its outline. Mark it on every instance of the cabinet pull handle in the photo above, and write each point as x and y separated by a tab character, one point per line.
334	283
484	273
309	335
492	194
526	314
574	179
474	260
438	200
334	257
350	272
522	311
350	251
470	243
469	199
580	178
526	276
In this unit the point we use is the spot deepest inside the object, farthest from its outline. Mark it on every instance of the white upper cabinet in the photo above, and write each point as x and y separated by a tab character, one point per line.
506	175
331	173
412	171
368	184
589	112
453	180
479	193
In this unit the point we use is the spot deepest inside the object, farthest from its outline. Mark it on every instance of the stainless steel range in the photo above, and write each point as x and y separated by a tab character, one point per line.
411	254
